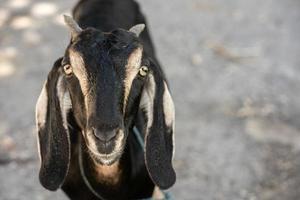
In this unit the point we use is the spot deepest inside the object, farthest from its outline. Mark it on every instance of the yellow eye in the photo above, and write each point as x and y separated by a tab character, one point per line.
68	69
143	71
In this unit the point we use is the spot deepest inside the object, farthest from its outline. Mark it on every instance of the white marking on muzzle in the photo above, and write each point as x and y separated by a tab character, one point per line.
107	158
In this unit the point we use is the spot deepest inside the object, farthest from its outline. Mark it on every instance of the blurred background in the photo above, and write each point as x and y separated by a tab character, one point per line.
233	66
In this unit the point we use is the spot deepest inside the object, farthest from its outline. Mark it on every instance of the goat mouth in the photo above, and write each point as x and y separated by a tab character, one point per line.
105	159
106	153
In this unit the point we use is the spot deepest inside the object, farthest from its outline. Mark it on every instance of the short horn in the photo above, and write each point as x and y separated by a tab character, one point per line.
137	29
73	26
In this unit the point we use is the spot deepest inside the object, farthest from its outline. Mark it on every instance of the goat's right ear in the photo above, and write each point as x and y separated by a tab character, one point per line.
53	136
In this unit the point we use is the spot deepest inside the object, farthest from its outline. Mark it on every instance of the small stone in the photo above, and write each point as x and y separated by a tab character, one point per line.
43	9
6	68
4	157
22	22
7	143
197	59
32	37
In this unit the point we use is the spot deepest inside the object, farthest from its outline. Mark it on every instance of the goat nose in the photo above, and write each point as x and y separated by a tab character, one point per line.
105	136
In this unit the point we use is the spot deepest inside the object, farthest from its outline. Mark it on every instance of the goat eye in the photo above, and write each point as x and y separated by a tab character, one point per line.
68	69
143	71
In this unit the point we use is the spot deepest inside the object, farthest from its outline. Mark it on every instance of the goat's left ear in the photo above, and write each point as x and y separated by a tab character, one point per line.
158	107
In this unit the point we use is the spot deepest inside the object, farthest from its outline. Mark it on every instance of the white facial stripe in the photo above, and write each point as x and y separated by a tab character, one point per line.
132	69
79	70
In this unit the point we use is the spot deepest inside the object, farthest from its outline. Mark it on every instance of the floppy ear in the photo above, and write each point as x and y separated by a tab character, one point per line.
157	104
53	136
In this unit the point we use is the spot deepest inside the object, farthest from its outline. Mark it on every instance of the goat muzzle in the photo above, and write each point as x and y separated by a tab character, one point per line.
105	136
105	142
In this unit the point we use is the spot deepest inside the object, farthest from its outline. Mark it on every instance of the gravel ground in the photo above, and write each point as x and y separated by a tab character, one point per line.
234	71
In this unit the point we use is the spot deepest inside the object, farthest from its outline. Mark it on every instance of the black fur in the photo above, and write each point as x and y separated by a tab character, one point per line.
159	146
105	45
55	162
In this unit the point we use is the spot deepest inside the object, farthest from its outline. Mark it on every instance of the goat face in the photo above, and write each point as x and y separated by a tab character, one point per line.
102	82
99	69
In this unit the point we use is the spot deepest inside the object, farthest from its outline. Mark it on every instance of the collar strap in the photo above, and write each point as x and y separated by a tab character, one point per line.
85	179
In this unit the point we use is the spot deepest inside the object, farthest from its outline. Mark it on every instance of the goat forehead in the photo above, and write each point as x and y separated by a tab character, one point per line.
97	66
96	46
94	58
93	37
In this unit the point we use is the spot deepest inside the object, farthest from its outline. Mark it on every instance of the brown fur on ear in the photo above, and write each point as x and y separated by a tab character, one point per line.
53	136
158	106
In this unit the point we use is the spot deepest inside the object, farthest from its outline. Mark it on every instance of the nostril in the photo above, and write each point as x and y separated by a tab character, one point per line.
105	136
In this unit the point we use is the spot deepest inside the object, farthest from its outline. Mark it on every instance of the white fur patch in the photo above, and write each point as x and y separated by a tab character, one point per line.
158	194
64	104
63	98
169	112
41	108
147	102
40	115
42	103
169	109
108	158
79	70
147	99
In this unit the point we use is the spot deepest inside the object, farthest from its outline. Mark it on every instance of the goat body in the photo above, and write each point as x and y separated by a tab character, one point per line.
131	180
67	160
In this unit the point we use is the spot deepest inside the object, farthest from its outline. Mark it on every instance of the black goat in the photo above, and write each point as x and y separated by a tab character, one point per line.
107	83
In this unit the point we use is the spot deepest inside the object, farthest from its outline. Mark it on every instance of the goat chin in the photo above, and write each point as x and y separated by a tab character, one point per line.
105	159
